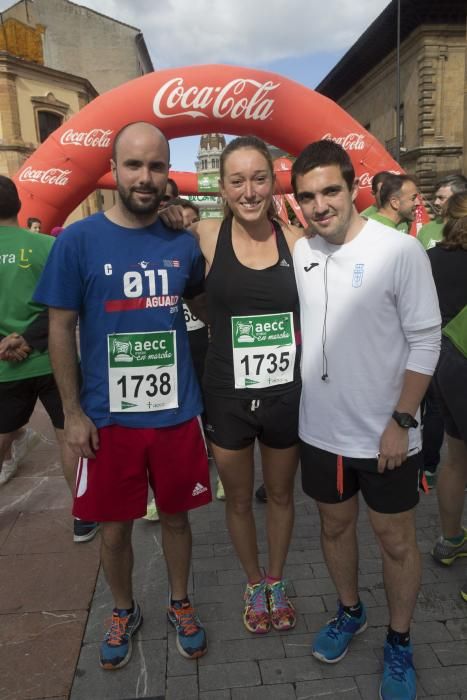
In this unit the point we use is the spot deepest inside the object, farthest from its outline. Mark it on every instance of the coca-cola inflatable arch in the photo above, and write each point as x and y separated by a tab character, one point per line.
182	102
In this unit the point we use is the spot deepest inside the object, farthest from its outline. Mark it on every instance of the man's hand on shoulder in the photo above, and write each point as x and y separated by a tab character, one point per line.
81	434
172	216
14	348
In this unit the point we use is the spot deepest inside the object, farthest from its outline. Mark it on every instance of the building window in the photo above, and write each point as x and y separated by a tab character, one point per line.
47	122
401	125
49	114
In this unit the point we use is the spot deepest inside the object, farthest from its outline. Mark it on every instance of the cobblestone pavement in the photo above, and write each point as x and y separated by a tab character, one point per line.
238	666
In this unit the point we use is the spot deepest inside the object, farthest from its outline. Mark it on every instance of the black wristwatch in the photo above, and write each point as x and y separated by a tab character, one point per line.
405	420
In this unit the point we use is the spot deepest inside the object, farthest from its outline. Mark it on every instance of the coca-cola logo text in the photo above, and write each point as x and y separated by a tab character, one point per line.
350	142
242	97
365	179
95	138
52	176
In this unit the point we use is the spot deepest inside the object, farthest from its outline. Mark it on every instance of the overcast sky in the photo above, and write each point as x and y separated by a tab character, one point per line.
299	39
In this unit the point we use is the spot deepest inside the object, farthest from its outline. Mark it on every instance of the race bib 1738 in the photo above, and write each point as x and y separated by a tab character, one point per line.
142	371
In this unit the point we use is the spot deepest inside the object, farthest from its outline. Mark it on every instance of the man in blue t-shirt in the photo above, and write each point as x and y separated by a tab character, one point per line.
136	420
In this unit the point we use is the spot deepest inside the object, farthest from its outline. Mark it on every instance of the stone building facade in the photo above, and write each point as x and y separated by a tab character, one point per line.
433	48
55	57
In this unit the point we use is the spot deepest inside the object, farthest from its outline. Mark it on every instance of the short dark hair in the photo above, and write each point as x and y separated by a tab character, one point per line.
33	220
377	178
121	131
186	204
457	183
10	203
319	154
392	186
174	186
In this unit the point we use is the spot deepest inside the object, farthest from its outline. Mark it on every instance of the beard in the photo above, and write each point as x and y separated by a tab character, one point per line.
135	207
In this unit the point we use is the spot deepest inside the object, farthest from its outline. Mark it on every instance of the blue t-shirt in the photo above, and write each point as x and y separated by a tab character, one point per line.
127	281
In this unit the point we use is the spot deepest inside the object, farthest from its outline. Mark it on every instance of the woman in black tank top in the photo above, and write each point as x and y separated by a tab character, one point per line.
252	378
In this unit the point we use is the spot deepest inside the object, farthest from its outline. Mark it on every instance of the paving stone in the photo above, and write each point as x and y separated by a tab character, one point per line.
297	645
368	685
284	691
182	688
216	695
232	675
344	688
177	665
290	670
30	582
32	494
215	564
430	632
451	653
31	534
7	520
362	661
444	680
142	677
313	587
310	604
252	649
25	673
442	697
457	628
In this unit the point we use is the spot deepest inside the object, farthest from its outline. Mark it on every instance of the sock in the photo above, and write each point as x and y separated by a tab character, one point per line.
179	603
255	583
400	638
126	610
456	540
354	610
272	579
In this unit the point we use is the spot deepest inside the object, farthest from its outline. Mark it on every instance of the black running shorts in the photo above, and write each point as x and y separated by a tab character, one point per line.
17	401
393	491
451	389
235	423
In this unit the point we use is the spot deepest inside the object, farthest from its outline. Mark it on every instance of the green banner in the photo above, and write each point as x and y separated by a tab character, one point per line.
208	182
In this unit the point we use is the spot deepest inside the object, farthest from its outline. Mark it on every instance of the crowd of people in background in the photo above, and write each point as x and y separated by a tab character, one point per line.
341	346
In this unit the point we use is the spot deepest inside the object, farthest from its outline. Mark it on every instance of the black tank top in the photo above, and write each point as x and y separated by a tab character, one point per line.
236	290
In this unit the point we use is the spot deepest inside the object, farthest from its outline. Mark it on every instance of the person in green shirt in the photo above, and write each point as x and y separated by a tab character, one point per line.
25	370
432	232
376	184
398	197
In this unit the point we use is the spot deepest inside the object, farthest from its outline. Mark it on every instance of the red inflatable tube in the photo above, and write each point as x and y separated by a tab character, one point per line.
182	102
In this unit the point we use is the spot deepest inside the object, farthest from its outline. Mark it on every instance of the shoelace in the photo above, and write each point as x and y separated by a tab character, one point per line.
279	597
336	623
186	620
256	599
398	664
118	628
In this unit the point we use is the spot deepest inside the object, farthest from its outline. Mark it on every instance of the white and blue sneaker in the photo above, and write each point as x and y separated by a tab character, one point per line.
332	641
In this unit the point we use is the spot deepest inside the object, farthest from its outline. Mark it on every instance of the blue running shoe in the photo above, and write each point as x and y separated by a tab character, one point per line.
115	650
191	638
332	641
399	682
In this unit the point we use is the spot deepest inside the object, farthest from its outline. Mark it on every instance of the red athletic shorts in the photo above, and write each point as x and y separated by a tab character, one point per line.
114	485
